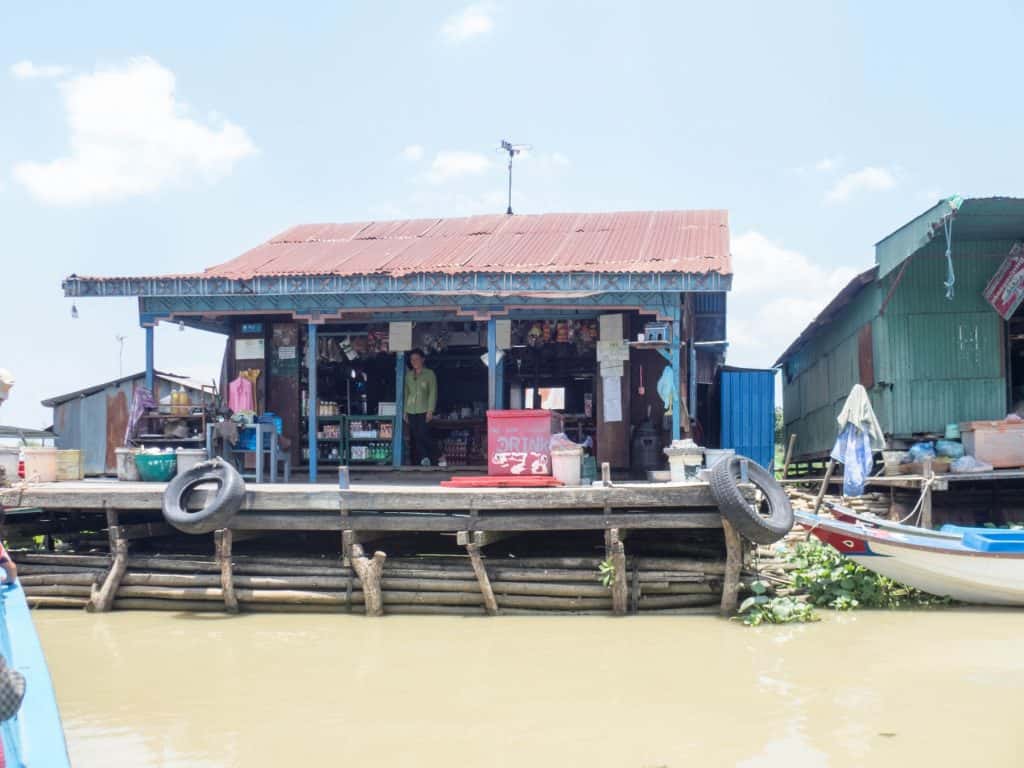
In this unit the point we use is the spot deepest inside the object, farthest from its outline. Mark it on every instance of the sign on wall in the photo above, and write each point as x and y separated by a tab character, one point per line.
284	359
400	334
249	349
1005	290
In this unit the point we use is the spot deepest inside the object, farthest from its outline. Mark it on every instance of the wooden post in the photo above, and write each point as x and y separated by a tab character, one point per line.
150	363
616	552
102	598
369	572
348	540
789	455
635	591
490	604
927	475
112	528
733	566
222	544
676	362
824	485
398	433
492	363
312	411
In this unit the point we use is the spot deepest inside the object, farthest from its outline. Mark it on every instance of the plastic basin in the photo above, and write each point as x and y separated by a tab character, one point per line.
156	467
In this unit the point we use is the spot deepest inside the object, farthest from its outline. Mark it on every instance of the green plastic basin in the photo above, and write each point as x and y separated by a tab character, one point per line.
156	468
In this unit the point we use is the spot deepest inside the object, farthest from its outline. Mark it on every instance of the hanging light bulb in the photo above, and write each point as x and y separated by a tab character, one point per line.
74	312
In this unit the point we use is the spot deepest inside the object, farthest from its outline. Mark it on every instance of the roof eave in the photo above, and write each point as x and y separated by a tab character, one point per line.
846	295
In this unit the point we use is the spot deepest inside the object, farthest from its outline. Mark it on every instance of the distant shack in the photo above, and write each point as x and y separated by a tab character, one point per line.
93	420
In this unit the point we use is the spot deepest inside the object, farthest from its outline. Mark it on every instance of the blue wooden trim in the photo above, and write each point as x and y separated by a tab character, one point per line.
312	404
492	363
499	385
676	363
326	308
433	283
150	365
398	435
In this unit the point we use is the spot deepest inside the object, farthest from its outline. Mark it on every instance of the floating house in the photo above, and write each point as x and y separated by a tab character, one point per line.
932	330
578	313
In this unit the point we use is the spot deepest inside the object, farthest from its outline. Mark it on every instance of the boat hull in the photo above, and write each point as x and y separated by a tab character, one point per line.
33	737
940	566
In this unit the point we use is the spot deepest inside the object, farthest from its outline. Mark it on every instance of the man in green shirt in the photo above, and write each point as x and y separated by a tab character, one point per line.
420	401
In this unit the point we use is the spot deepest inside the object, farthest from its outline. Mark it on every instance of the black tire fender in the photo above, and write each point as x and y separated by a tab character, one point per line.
219	508
745	517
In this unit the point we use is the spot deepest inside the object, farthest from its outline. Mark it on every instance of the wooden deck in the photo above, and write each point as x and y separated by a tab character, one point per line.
383	507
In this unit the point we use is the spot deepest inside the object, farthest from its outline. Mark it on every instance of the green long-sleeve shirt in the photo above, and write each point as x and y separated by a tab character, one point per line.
420	391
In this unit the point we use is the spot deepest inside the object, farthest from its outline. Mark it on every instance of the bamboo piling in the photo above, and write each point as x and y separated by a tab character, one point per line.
426	584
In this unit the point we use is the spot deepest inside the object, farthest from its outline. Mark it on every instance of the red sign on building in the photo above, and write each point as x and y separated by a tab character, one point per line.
1005	290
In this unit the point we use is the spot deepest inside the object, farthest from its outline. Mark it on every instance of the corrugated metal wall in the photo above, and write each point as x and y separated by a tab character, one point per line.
945	358
935	361
748	414
817	379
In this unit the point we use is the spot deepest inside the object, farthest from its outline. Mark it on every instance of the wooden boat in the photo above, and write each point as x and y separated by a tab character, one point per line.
847	515
974	565
34	737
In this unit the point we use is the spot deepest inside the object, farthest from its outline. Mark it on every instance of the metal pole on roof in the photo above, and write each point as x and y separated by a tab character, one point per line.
509	211
120	355
513	150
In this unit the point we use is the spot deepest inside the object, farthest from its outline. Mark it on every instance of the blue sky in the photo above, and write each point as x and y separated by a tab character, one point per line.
136	140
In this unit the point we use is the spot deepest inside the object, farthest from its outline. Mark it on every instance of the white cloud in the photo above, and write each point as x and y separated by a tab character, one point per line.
413	152
827	164
26	70
776	293
868	179
451	164
472	21
129	135
557	158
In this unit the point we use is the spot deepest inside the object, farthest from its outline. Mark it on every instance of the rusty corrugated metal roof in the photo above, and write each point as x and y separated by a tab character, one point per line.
659	241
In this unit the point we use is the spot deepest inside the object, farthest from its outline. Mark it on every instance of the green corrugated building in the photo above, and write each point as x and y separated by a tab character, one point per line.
926	360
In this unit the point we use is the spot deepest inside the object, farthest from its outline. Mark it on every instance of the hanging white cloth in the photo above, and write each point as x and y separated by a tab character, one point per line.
858	411
859	435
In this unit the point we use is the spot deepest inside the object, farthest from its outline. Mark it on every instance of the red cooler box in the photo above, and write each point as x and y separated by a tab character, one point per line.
518	442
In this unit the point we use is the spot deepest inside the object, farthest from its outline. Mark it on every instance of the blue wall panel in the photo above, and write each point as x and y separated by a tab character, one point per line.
748	413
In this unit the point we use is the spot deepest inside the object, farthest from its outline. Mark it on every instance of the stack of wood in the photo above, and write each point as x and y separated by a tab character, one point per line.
422	584
873	503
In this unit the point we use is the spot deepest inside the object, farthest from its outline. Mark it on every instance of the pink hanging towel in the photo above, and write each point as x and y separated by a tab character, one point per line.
240	397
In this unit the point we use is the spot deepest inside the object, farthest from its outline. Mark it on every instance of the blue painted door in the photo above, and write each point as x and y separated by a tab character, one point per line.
748	413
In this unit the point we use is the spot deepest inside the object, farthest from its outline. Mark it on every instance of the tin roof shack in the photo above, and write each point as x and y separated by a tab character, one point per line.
93	420
928	356
509	309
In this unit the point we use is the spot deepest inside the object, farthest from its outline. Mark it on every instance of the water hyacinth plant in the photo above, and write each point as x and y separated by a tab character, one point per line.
760	608
831	580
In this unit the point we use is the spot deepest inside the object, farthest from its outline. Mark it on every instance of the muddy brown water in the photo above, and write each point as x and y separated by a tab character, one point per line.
931	688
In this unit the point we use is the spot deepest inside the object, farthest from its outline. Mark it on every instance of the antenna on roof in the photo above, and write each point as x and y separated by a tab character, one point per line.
513	150
120	355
